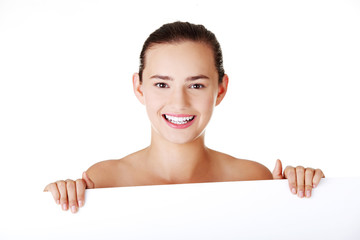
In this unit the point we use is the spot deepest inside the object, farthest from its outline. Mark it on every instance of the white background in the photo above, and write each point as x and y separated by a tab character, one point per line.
66	99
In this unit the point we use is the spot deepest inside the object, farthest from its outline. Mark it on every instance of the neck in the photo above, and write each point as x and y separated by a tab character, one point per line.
178	163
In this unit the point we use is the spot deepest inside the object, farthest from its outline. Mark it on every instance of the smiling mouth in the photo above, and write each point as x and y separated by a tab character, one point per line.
179	120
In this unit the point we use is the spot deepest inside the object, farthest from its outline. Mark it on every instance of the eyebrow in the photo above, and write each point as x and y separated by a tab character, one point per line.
191	78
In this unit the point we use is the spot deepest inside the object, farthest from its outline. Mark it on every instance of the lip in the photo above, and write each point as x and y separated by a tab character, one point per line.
179	126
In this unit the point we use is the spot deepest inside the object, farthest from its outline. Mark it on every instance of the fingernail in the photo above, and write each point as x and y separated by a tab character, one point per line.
308	193
301	194
81	203
64	207
293	190
58	202
73	209
314	186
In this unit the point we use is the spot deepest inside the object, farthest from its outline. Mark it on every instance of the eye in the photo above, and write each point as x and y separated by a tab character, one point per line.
161	85
197	86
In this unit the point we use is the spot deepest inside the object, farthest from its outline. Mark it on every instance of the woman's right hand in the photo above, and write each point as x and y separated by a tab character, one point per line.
70	194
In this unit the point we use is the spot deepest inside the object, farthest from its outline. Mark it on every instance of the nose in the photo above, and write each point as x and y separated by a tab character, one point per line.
179	99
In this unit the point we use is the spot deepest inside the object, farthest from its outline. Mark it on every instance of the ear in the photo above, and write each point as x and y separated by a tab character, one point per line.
222	89
137	86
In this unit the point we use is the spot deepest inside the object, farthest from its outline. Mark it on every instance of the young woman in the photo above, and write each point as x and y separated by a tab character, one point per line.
180	81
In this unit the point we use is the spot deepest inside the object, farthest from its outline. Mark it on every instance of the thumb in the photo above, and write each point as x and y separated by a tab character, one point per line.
89	183
277	172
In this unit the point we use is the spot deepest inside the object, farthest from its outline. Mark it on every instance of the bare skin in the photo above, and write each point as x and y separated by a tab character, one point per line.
132	170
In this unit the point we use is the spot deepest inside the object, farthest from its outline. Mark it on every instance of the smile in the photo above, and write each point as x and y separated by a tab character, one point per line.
179	121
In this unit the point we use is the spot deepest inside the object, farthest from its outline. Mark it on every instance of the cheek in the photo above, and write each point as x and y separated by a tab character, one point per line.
206	104
153	103
211	101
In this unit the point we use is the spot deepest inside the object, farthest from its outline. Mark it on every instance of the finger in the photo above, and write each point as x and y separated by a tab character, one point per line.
300	180
71	191
61	185
290	174
80	191
317	177
89	183
277	172
309	175
52	187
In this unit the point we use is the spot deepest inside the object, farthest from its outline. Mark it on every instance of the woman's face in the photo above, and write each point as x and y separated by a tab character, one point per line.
179	89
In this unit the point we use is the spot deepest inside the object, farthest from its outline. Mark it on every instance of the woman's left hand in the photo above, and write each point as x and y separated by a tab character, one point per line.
301	180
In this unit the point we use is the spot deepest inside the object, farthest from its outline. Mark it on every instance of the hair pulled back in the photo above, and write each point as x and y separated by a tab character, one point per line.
183	31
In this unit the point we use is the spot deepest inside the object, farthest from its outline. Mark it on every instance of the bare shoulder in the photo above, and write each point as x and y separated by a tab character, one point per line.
236	169
101	173
111	173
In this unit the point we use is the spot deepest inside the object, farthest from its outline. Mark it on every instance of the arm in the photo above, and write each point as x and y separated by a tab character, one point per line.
301	180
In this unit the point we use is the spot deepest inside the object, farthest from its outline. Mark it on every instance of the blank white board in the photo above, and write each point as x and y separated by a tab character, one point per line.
228	210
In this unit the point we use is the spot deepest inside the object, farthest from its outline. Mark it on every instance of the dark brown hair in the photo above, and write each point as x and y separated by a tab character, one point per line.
179	32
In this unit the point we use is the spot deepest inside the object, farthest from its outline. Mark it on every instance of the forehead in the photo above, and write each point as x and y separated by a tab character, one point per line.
172	58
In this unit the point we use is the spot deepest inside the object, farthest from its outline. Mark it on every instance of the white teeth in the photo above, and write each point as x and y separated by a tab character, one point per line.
178	120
